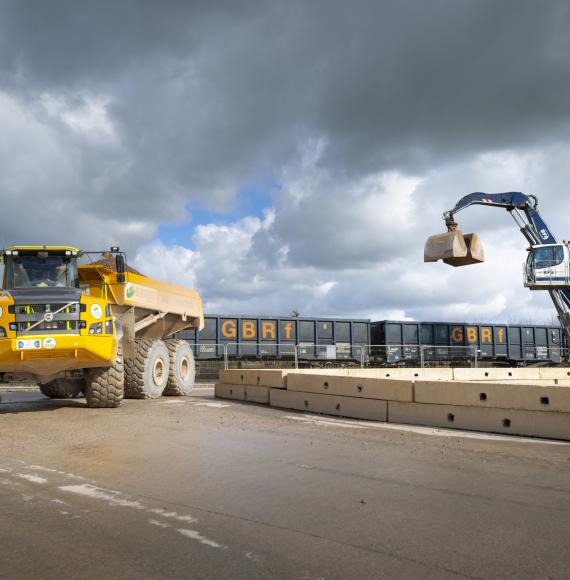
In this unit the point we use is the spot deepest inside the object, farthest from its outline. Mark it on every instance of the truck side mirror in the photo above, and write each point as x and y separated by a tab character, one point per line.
120	264
121	268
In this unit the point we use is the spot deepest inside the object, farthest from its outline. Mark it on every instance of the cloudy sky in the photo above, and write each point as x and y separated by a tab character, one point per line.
289	155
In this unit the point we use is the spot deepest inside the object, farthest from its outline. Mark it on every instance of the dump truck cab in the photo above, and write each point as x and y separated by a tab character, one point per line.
547	266
50	327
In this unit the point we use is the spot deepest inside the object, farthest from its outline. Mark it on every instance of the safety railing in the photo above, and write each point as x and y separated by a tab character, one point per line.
548	273
266	354
418	355
210	358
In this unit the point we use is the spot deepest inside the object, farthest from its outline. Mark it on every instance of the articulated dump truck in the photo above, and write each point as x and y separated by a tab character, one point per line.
96	328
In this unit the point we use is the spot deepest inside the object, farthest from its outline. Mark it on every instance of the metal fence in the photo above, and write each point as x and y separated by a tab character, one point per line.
211	358
418	355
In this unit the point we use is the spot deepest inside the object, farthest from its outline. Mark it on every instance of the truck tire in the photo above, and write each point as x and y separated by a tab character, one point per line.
146	374
182	370
104	387
61	388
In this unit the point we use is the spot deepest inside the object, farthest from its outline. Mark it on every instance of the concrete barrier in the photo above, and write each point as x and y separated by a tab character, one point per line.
494	374
353	407
513	404
226	391
508	421
275	377
428	374
361	387
554	372
262	377
538	382
431	374
257	394
506	396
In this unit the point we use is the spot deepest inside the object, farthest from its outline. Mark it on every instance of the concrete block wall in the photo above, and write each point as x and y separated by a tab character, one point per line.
517	401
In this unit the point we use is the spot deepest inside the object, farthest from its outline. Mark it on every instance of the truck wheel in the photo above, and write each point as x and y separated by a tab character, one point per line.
146	374
61	388
104	387
182	370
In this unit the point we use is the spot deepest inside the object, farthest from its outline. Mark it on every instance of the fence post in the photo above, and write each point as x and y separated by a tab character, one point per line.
296	357
362	348
475	356
226	364
421	356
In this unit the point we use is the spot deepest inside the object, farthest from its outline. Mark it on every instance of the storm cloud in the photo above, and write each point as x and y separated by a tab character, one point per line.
361	122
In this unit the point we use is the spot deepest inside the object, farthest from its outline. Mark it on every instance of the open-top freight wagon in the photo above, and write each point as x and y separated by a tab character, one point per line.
313	341
342	342
398	342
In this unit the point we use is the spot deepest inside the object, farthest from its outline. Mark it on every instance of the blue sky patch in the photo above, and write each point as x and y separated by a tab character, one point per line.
250	201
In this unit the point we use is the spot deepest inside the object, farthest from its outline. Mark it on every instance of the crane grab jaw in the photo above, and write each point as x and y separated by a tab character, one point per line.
454	247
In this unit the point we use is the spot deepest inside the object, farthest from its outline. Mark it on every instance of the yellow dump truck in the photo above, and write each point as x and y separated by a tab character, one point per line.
97	328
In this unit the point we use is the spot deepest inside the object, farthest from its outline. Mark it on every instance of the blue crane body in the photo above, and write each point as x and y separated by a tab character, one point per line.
548	262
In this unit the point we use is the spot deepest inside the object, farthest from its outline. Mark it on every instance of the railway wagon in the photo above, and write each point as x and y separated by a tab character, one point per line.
317	341
397	342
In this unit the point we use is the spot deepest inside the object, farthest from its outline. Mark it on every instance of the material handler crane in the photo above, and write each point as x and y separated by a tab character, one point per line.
548	263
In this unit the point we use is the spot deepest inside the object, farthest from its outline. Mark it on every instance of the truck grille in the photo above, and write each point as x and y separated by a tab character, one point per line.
64	322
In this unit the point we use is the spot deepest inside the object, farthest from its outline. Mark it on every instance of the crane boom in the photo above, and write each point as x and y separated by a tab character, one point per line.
548	263
534	228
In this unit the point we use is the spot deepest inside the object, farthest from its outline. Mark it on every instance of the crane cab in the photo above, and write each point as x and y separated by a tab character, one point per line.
547	267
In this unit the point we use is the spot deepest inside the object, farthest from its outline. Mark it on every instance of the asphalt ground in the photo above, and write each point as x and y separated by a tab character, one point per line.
201	488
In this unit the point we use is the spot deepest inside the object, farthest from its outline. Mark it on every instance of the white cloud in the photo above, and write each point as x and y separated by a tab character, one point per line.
87	115
105	142
276	264
174	264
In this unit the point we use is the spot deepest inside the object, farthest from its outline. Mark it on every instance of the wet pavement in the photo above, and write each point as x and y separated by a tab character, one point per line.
201	488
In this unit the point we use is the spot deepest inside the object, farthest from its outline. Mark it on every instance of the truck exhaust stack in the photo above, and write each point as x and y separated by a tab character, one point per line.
454	248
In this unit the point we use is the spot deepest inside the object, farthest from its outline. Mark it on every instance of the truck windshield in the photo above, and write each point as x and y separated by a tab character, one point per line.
36	272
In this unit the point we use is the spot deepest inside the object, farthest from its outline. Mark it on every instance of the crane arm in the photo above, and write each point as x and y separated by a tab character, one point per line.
534	228
457	249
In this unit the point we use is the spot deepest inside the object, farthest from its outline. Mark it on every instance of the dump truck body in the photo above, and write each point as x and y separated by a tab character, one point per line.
146	308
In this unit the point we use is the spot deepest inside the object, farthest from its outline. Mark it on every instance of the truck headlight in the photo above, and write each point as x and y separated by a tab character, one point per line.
96	328
2	332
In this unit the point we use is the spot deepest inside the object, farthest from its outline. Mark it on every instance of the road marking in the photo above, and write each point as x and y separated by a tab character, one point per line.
213	405
42	468
158	524
32	478
173	515
111	497
50	470
194	535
